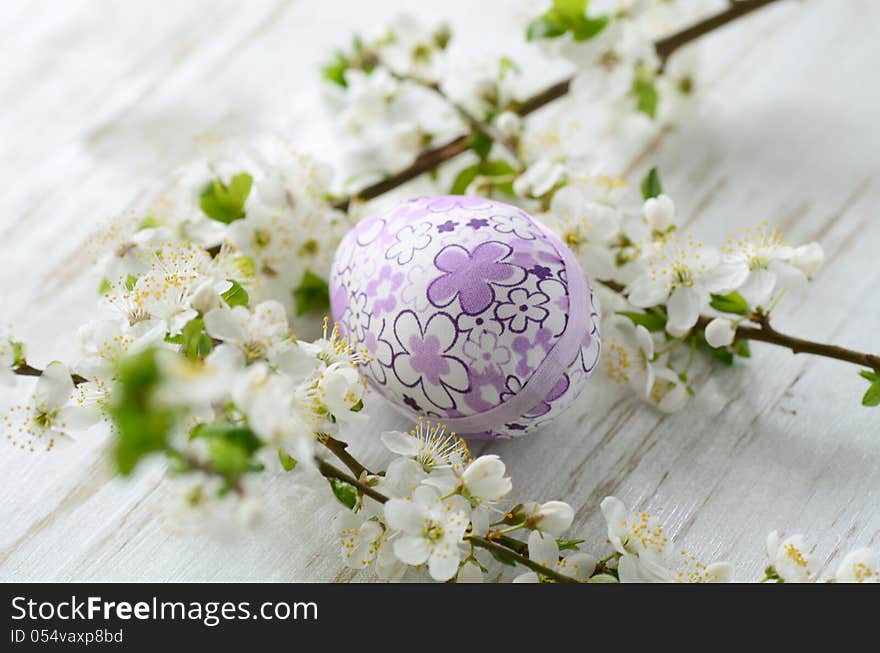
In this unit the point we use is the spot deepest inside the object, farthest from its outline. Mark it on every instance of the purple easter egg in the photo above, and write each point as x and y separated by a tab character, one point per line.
474	314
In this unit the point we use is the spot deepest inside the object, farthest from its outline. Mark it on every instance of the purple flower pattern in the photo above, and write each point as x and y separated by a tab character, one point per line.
470	276
459	300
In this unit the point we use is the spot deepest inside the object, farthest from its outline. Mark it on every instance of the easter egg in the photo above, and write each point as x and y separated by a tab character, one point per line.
473	313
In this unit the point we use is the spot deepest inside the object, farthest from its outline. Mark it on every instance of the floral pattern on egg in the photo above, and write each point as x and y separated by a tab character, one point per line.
473	313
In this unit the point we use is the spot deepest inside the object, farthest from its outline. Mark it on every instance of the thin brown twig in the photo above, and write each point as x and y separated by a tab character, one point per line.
340	450
330	472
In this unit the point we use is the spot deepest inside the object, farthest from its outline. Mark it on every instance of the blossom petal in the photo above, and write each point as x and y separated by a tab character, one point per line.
543	549
685	304
443	563
53	387
404	515
412	549
403	444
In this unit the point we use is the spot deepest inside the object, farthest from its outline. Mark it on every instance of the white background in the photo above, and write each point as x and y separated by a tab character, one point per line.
98	100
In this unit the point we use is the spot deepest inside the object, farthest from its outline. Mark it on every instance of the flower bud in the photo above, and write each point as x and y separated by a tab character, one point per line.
808	259
553	517
720	332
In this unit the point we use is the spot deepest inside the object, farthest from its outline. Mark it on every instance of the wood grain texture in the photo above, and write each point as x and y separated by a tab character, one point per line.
100	100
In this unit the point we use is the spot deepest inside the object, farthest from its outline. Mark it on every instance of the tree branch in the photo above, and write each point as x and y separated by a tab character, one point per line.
432	158
766	333
665	47
537	567
339	449
329	471
27	370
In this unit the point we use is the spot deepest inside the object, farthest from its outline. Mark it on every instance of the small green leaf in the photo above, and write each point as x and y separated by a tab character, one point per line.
872	396
481	145
544	27
242	436
651	321
503	558
587	28
149	222
645	91
724	354
569	545
646	98
130	282
346	493
571	9
141	426
19	353
651	186
105	286
312	295
869	374
464	179
334	70
236	295
741	348
730	303
358	407
196	343
288	462
225	203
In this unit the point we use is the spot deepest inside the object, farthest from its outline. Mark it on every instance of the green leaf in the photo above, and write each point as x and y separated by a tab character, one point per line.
645	91
741	348
237	434
19	353
312	295
230	447
130	282
334	70
571	9
105	286
481	145
730	303
724	354
570	545
196	343
141	427
464	179
651	321
503	558
149	222
225	203
872	396
288	462
358	407
545	27
587	28
236	295
870	375
346	493
651	186
602	578
646	98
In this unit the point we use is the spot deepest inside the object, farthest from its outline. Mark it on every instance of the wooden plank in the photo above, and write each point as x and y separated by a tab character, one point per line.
786	133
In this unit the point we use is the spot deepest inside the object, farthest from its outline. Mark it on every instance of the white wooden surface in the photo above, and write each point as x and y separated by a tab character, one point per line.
100	99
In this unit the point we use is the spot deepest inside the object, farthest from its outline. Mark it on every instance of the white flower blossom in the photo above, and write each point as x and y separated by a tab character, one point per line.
640	540
432	530
859	566
789	558
544	550
682	275
720	332
553	517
